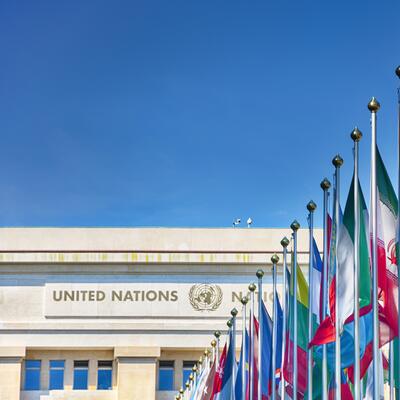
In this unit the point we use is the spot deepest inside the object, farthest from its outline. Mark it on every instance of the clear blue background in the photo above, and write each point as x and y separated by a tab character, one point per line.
187	113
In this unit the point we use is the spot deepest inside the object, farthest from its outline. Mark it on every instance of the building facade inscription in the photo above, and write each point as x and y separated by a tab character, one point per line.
145	299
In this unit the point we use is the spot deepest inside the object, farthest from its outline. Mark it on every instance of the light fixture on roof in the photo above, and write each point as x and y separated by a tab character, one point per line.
249	222
236	222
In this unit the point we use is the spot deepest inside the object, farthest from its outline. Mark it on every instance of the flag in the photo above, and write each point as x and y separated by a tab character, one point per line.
302	333
219	374
266	352
317	272
239	377
209	382
226	392
387	212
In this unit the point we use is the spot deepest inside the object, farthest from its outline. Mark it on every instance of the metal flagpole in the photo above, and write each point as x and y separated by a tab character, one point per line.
356	135
234	313
391	370
217	335
373	106
274	260
284	243
244	302
398	199
325	185
260	274
311	206
295	226
337	163
252	289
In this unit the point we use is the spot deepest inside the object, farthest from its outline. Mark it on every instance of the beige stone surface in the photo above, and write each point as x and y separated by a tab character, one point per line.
136	379
10	378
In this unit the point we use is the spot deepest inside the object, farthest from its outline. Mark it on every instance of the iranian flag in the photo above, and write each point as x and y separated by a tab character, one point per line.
387	212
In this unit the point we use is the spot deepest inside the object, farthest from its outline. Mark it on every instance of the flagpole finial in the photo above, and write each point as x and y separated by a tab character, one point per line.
200	360
229	323
194	369
191	377
356	134
217	334
325	184
295	225
206	352
398	71
181	390
213	343
234	312
177	397
337	161
275	259
285	242
311	206
252	287
260	273
374	105
187	384
244	300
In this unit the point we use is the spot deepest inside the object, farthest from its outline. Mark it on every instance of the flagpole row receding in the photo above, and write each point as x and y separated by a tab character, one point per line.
325	186
356	136
311	207
252	289
373	107
274	260
295	227
284	244
244	301
337	163
260	274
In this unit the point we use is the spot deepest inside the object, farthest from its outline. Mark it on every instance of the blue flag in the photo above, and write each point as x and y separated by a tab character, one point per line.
239	377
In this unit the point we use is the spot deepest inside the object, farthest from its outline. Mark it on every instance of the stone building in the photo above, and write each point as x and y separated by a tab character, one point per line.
118	314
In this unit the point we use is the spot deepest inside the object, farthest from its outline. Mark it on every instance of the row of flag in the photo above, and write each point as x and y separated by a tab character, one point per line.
335	334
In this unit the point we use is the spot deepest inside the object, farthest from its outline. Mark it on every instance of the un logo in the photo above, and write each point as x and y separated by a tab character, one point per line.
205	297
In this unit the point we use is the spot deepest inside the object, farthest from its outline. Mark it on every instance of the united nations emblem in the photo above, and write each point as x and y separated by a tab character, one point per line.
205	297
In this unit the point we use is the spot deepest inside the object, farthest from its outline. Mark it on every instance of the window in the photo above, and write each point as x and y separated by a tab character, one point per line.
32	374
104	375
187	370
56	374
81	375
166	375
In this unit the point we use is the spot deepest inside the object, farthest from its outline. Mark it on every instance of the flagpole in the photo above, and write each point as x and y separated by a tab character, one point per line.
252	288
391	370
284	243
356	135
295	226
217	335
337	163
311	206
373	106
325	185
244	302
260	274
234	313
398	199
274	260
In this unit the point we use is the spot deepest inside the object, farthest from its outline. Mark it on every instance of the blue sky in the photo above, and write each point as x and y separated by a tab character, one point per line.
187	113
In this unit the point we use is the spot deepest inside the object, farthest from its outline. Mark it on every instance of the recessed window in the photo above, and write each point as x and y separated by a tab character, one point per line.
81	369
56	379
32	374
186	371
166	375
104	375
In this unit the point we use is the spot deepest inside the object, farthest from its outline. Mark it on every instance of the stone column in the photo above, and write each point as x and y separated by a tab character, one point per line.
136	372
10	372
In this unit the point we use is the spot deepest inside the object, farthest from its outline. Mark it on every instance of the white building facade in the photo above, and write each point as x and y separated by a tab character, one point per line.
118	314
